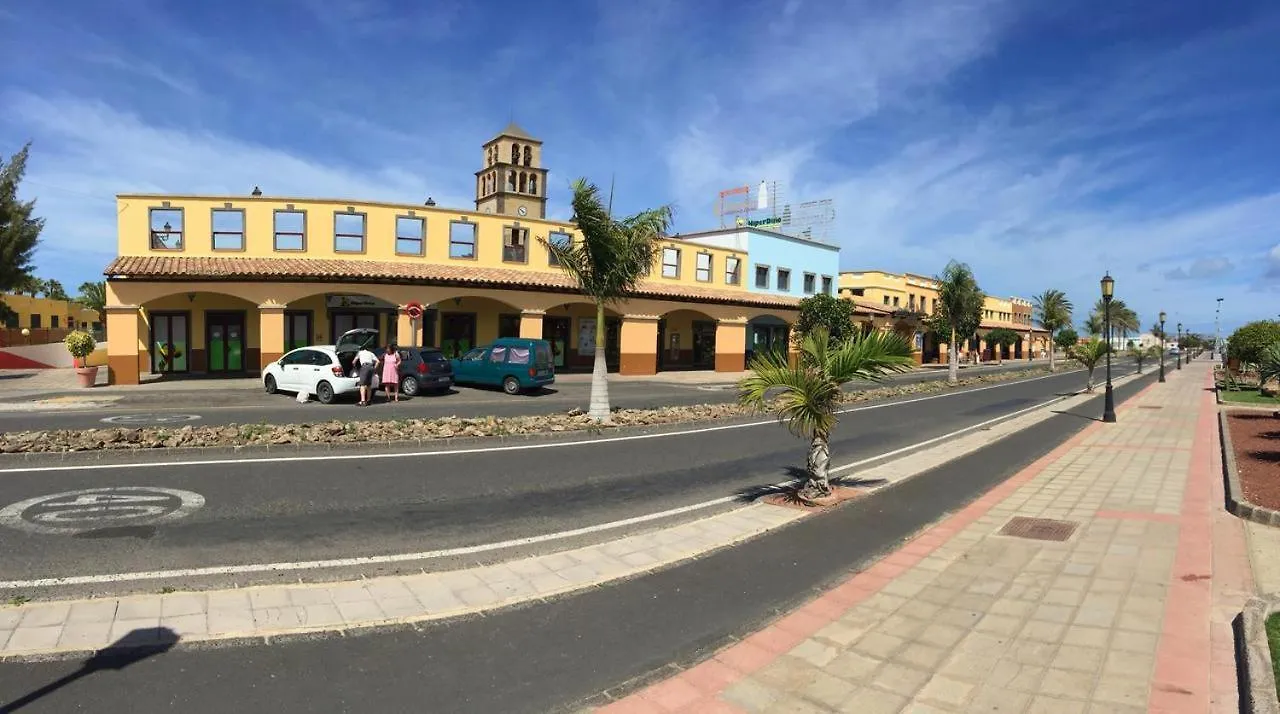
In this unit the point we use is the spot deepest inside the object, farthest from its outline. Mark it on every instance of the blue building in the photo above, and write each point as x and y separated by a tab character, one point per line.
779	264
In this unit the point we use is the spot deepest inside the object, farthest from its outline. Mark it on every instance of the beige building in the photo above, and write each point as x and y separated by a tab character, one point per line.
227	284
908	299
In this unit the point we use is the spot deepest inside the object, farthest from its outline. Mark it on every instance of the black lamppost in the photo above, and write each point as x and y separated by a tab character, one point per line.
1179	345
1162	316
1109	403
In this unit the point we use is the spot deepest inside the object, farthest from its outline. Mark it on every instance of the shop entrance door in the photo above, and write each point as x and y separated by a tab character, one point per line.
170	342
612	342
704	345
297	330
224	334
556	331
457	333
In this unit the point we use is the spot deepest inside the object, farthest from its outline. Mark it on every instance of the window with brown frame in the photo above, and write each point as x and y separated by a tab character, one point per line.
515	244
702	269
166	229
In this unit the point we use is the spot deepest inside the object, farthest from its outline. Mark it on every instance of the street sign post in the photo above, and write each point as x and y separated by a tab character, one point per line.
414	311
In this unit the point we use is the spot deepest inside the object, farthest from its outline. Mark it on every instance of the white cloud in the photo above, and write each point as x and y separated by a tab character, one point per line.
85	152
1202	269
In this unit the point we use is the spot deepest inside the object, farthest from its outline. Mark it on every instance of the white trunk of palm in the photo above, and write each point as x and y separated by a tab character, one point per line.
1088	384
953	360
1052	346
599	409
817	464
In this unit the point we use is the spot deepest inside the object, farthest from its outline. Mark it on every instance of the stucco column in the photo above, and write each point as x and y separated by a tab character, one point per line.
531	324
123	327
639	348
270	334
407	334
731	345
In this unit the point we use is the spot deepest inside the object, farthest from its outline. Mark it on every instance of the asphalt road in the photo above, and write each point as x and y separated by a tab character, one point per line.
550	656
287	509
249	406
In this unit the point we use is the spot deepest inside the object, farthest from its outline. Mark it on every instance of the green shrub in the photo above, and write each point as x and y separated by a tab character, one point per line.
1249	342
80	344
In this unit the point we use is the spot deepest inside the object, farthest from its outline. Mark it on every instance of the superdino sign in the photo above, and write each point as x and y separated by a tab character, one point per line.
765	222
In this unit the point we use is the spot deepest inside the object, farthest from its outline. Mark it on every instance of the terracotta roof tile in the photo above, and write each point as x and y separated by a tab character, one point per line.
172	267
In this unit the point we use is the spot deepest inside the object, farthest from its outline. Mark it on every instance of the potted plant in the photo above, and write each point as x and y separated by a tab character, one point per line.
81	344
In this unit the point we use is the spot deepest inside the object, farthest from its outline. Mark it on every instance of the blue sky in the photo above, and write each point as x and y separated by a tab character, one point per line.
1041	142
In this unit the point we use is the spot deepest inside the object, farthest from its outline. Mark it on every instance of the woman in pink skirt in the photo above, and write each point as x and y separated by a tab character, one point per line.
391	372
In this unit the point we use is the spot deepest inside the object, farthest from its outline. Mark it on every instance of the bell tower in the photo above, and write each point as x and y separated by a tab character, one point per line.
512	182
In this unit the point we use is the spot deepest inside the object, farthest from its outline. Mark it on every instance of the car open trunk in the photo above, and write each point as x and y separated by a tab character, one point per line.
351	342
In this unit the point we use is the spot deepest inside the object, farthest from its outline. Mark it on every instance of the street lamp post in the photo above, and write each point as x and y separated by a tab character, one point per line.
1179	345
1108	403
1217	335
1162	345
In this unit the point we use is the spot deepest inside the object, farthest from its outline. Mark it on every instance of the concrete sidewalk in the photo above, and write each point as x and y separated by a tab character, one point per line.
1130	613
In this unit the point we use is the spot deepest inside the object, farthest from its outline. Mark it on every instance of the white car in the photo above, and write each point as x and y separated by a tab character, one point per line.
318	370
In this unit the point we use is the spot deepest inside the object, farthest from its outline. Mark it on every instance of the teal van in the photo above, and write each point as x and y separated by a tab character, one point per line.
513	363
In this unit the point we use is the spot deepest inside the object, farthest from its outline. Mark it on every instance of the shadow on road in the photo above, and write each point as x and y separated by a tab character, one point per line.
795	476
134	647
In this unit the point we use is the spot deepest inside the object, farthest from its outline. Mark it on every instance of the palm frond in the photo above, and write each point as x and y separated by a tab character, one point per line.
801	397
807	395
870	357
1269	364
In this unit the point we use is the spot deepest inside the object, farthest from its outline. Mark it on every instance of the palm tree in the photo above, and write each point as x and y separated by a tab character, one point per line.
93	295
959	311
1093	325
1123	318
1088	355
1268	367
1000	338
1053	312
1140	354
813	388
607	263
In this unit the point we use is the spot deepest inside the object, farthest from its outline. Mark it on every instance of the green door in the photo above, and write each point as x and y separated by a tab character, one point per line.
226	342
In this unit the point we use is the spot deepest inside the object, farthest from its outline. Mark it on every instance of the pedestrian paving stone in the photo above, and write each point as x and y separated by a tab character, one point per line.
966	620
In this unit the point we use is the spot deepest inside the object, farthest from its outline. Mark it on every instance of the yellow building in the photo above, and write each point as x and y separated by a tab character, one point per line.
227	284
910	299
46	320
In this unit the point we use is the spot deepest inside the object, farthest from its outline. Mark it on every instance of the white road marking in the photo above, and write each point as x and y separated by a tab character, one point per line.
88	509
152	418
493	449
465	550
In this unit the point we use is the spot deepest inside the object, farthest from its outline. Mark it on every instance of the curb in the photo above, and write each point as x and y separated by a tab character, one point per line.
1254	654
165	453
1237	504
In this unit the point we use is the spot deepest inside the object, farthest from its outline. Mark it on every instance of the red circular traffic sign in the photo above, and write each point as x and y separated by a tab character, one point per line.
413	310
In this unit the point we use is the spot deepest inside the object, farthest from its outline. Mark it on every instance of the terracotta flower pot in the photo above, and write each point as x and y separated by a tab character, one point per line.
87	376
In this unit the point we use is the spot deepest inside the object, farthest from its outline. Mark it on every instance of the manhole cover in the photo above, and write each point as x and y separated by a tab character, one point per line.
1038	528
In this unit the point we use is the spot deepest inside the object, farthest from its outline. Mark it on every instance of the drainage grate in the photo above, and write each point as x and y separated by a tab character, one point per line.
1038	528
1150	407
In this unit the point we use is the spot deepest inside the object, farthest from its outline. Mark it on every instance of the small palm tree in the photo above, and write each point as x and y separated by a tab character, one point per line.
1053	312
1268	366
1140	354
813	389
959	311
607	263
1088	355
